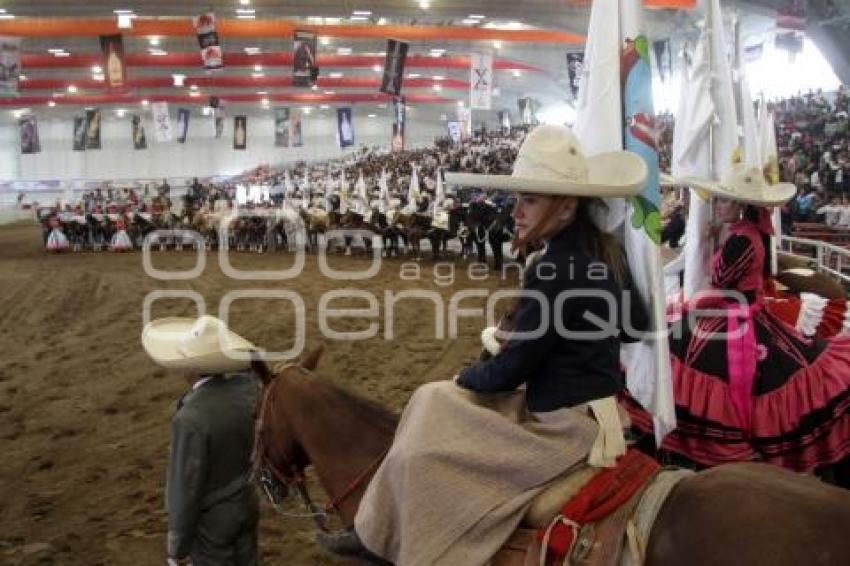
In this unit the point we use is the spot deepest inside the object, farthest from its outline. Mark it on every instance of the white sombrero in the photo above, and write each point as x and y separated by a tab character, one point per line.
551	161
745	183
202	345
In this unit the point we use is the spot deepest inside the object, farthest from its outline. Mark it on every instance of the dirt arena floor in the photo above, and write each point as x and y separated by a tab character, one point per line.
84	415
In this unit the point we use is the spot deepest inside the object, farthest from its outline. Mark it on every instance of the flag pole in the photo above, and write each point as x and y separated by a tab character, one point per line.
709	22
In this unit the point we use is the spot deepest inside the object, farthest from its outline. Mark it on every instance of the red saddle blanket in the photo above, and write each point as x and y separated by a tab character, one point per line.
608	490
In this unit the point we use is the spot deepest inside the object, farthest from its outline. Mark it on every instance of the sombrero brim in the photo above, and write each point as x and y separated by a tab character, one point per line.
162	341
776	195
612	174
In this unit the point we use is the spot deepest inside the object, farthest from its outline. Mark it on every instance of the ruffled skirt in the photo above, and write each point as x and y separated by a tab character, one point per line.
120	242
800	412
57	240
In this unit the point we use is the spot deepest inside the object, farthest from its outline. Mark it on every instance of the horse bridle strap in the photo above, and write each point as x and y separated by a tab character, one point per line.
333	505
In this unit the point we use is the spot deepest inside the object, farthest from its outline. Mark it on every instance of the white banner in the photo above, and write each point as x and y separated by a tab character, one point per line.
161	121
464	118
481	80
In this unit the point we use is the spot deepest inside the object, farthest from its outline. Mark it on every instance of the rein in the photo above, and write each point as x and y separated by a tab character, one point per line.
263	467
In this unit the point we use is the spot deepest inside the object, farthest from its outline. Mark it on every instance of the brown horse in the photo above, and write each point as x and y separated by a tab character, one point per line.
742	514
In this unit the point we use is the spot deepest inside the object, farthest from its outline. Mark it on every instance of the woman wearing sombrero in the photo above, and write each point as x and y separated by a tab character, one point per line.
469	455
747	385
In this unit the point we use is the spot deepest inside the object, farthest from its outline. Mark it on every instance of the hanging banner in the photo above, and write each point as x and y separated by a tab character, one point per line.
575	62
305	70
281	127
464	118
454	131
218	122
92	129
481	80
753	52
139	139
399	111
394	67
208	41
526	112
344	127
28	129
80	129
663	58
182	124
791	41
505	121
240	132
114	66
10	65
295	136
161	121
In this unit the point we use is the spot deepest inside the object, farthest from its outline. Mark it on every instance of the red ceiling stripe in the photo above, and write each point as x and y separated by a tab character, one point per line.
234	82
303	98
47	61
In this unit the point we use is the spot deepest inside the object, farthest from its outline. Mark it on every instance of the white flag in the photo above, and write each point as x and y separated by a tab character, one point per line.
413	192
710	104
161	121
361	188
770	166
481	80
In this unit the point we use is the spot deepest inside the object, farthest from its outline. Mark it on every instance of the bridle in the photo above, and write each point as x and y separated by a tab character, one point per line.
273	480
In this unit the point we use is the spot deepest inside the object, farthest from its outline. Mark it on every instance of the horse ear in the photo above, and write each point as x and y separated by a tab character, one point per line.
310	360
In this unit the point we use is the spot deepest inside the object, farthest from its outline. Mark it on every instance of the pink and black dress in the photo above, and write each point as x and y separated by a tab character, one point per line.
761	390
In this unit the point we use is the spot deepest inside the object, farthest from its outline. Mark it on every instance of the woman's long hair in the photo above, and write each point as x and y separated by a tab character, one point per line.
753	214
596	243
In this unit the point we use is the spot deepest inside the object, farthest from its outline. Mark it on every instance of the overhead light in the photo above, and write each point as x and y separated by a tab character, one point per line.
99	77
517	73
438	78
470	21
258	75
371	115
125	21
475	17
258	68
307	110
63	54
178	79
193	87
505	25
56	50
20	112
51	103
265	101
335	75
96	69
318	20
413	75
122	12
145	102
361	13
383	105
120	112
245	11
424	4
437	88
325	106
315	87
497	44
382	21
377	68
359	18
330	92
194	94
22	77
325	40
72	89
154	40
252	50
262	92
460	104
343	51
332	21
7	16
206	110
156	52
245	2
245	16
437	52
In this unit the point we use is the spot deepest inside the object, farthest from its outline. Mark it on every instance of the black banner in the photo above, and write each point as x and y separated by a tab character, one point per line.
575	62
92	129
140	141
398	124
345	127
394	67
281	127
80	129
28	129
114	67
305	69
182	124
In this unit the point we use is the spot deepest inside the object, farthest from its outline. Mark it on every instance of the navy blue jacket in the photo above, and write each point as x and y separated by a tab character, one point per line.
560	368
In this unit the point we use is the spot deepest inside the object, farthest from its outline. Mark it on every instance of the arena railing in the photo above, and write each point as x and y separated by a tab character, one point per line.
821	256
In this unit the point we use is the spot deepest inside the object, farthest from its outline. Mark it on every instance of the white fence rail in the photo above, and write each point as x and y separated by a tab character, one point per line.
822	256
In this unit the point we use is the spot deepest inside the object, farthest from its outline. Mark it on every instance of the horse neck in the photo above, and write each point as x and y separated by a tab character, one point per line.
342	436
